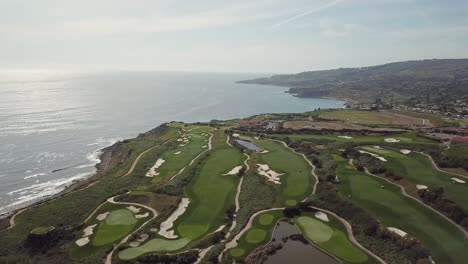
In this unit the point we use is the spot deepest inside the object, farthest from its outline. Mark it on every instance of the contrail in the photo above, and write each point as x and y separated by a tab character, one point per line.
312	11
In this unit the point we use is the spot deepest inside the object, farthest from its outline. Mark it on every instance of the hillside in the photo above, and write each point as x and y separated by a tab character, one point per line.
399	81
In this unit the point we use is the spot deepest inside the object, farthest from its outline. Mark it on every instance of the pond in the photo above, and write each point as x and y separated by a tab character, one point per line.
294	251
249	145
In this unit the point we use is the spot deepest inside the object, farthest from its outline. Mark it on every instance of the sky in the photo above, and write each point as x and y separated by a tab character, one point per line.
261	36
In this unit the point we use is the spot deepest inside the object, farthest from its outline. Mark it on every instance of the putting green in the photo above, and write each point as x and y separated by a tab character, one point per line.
117	224
154	245
255	235
266	219
389	206
331	238
314	229
237	252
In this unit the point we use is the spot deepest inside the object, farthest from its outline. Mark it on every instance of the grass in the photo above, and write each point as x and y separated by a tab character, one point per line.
407	138
210	194
259	234
385	202
297	181
434	119
332	237
42	230
117	224
364	117
154	245
418	169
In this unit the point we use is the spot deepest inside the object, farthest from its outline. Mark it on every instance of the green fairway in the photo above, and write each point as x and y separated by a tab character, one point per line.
331	237
297	181
154	245
118	224
418	169
259	234
314	229
388	205
180	156
407	138
266	219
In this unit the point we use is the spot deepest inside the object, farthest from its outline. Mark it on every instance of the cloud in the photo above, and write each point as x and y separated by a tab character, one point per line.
307	13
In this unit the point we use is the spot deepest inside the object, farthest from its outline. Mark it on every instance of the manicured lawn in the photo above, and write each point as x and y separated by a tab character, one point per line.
258	235
388	205
418	169
407	138
370	117
297	181
118	224
154	245
332	237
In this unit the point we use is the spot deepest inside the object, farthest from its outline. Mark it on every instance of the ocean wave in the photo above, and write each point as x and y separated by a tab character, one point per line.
38	191
84	166
35	175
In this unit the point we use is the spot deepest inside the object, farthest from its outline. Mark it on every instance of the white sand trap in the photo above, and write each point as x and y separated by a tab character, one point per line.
152	172
235	135
391	140
89	230
458	180
256	138
182	145
204	146
397	231
154	229
177	153
102	216
134	209
322	216
143	238
373	155
82	241
179	139
263	152
345	137
377	147
134	244
421	187
405	151
271	175
169	223
138	216
234	171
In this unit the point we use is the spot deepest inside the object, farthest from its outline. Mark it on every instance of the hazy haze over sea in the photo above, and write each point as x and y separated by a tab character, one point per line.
60	124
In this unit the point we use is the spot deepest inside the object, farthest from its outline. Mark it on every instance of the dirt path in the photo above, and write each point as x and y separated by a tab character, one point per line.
434	164
125	239
351	237
404	193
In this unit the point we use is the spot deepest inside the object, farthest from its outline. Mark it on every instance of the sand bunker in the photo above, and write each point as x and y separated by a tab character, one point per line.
322	216
102	216
373	155
391	140
204	146
134	244
377	147
345	137
421	187
138	216
271	175
405	151
397	231
82	241
89	230
152	172
168	224
234	171
235	135
134	209
458	180
177	153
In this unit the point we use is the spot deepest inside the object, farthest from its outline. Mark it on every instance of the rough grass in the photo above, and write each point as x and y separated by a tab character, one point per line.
418	169
385	202
297	181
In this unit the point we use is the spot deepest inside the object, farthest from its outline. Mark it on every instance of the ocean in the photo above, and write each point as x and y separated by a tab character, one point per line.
51	129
